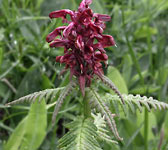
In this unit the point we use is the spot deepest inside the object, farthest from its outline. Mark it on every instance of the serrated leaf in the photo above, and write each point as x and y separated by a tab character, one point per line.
137	100
104	110
46	94
101	128
82	136
61	99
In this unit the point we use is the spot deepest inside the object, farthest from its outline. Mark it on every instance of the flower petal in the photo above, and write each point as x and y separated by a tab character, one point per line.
85	3
79	42
100	23
102	17
96	28
54	33
89	49
58	58
88	2
60	13
99	47
65	58
101	56
86	16
59	43
68	29
107	41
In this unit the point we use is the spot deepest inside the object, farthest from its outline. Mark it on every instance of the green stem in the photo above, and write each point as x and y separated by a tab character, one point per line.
149	37
133	56
87	109
131	51
146	120
146	129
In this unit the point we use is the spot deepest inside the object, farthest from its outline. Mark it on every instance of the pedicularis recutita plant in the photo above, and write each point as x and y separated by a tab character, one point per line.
84	42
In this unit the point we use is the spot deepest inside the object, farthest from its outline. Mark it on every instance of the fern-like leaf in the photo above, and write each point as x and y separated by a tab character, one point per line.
97	102
61	98
82	136
46	94
110	84
100	123
137	101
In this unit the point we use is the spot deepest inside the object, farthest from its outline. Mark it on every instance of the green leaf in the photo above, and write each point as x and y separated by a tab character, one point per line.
46	94
46	83
30	83
127	68
31	131
163	74
16	137
82	136
26	33
2	30
0	3
97	102
68	89
166	126
3	89
13	65
144	30
137	100
142	20
144	89
152	123
134	135
39	2
117	79
1	57
35	127
102	131
131	133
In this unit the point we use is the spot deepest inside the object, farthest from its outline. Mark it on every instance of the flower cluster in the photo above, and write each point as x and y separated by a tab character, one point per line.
83	42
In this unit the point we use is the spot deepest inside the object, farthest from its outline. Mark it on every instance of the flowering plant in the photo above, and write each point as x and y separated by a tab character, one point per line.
84	42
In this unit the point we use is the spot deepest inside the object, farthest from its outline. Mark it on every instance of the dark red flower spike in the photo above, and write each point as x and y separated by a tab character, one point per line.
81	54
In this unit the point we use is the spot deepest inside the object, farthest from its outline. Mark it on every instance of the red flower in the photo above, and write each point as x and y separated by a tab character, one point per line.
81	54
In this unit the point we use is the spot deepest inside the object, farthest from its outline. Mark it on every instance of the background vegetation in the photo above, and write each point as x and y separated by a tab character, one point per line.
27	64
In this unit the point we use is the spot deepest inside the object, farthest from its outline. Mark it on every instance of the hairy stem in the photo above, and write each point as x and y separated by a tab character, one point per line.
87	109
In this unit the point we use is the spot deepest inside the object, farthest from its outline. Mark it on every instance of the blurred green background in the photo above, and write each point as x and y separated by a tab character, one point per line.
27	64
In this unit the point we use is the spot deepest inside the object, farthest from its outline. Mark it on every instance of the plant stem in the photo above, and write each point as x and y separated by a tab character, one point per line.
146	116
146	129
133	56
131	51
87	109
